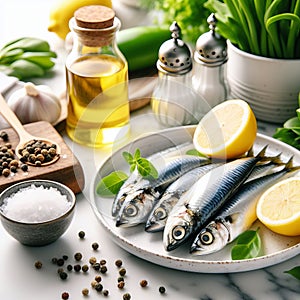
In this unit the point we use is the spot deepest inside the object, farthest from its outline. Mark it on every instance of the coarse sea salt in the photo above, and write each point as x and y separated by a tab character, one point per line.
35	204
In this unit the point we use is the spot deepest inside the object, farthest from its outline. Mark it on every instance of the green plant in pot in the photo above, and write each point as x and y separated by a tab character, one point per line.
264	53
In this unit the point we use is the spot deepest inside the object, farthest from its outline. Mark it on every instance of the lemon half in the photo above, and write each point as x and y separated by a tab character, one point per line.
227	131
279	207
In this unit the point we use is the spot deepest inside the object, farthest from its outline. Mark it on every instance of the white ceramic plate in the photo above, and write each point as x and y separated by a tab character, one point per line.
149	246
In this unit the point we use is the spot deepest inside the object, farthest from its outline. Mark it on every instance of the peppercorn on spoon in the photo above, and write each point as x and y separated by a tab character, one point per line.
26	139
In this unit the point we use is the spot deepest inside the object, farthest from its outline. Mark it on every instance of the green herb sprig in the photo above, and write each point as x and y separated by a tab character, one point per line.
261	27
111	184
290	132
248	245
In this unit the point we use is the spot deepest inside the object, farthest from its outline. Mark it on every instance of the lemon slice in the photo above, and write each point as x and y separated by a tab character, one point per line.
279	207
227	131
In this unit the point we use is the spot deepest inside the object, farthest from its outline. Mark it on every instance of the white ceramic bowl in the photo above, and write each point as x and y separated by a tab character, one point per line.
42	233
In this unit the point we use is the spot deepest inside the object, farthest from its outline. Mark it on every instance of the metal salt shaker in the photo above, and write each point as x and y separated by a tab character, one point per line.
210	59
173	100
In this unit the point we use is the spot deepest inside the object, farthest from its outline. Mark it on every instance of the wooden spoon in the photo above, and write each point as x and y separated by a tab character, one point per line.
24	136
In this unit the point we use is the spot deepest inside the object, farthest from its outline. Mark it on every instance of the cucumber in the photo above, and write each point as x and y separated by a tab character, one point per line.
140	45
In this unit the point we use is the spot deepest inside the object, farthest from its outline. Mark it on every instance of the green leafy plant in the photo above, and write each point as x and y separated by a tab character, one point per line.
248	245
261	27
290	132
191	15
111	184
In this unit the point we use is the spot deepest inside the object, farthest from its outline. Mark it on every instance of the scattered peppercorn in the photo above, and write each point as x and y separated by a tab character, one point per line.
85	291
54	260
81	234
102	262
126	296
162	289
38	264
60	262
121	284
93	283
143	283
120	279
118	263
95	246
60	270
96	266
122	271
103	269
105	293
98	278
65	295
63	275
98	287
4	136
77	268
78	256
92	260
69	268
85	268
65	257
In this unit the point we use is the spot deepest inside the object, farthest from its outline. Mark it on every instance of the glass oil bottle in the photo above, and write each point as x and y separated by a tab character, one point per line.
97	79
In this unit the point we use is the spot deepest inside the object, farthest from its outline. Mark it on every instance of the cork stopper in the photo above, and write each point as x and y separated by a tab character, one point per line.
95	25
94	17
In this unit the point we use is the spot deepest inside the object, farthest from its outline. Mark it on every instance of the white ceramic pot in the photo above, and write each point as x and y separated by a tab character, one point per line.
270	86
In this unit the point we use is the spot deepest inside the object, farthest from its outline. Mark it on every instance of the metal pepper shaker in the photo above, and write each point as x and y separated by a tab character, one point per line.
173	100
210	57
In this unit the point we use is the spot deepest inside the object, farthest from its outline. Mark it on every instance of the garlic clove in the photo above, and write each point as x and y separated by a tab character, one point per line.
35	103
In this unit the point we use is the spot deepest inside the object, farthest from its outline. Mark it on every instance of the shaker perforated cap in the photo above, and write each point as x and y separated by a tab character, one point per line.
211	48
174	55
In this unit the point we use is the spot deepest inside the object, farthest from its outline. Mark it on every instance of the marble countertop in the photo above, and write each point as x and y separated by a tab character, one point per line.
21	280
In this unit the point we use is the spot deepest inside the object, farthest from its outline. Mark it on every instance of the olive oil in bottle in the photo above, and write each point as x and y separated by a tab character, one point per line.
97	84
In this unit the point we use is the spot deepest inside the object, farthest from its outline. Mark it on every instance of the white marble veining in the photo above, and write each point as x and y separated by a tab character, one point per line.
18	276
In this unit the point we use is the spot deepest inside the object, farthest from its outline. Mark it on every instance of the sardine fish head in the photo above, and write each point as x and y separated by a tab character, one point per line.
210	239
135	209
157	220
178	231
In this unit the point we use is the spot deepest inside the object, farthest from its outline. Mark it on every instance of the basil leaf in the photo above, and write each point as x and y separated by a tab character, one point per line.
146	168
248	245
137	154
128	157
294	272
111	184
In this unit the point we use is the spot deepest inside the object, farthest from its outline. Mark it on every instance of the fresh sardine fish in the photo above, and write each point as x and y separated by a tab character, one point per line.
158	160
236	216
160	212
205	197
141	198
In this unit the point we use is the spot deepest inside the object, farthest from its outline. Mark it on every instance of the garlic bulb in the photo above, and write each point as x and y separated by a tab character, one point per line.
35	103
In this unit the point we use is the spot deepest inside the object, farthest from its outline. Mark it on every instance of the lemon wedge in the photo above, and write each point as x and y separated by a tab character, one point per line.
227	131
278	208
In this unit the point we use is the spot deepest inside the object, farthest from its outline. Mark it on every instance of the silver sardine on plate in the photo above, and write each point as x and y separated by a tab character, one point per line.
236	215
205	197
141	199
158	160
158	216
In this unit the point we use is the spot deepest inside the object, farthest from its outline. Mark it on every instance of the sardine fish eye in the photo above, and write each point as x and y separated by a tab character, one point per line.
160	213
131	210
206	237
178	233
